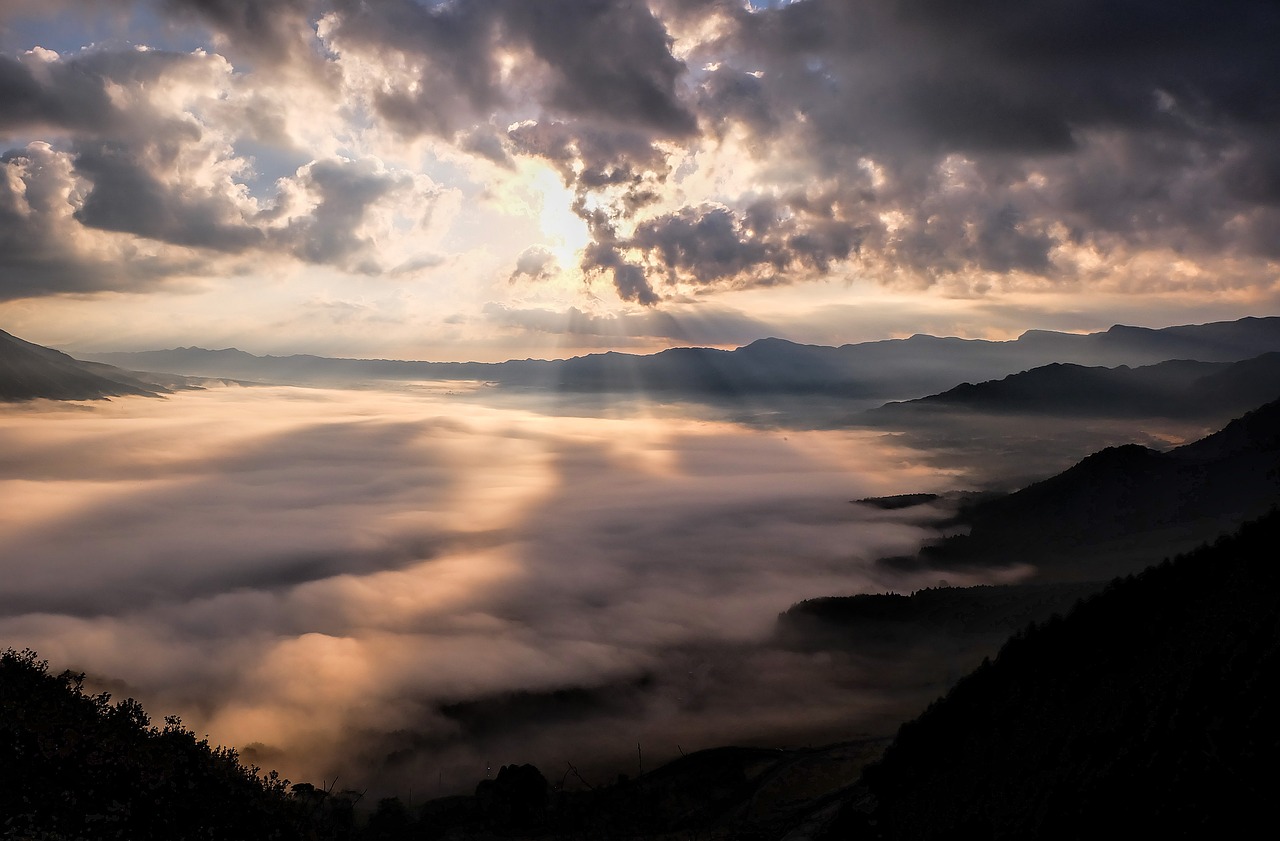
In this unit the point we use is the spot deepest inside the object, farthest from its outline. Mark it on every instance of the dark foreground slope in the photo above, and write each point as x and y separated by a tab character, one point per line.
1148	711
75	766
29	371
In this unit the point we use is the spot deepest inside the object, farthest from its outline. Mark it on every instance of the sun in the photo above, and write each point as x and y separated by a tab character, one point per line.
566	233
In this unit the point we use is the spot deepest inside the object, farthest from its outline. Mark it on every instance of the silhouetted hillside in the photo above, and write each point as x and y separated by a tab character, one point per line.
29	371
884	370
1177	388
1125	507
891	619
720	793
1149	711
76	766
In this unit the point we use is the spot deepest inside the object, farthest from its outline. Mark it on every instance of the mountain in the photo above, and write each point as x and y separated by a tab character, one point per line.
1149	711
1123	507
29	371
1176	388
894	368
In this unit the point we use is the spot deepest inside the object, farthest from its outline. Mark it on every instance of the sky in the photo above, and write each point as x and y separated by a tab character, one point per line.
486	179
400	582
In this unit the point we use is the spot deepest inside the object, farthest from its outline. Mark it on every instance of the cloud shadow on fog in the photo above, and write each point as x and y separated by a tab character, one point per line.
685	590
274	514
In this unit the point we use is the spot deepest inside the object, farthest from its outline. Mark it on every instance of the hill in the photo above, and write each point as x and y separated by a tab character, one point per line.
886	622
75	765
1175	388
29	371
1125	507
1149	710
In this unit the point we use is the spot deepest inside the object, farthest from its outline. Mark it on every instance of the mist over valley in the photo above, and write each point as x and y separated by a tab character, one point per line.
407	582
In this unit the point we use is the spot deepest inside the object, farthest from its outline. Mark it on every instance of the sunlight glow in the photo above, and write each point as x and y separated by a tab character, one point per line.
566	231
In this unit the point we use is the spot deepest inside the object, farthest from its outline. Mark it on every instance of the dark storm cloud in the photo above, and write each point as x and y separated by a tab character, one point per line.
592	159
128	197
452	43
999	134
603	61
732	96
1044	143
486	142
992	76
710	244
1046	92
29	104
344	190
272	32
41	248
610	60
72	94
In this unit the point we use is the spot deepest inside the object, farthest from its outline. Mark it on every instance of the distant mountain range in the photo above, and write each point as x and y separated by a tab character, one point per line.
890	369
29	371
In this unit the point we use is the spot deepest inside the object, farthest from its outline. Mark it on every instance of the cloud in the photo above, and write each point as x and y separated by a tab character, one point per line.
128	196
1005	149
45	250
325	572
535	263
132	175
337	199
1037	106
610	61
602	62
707	145
273	33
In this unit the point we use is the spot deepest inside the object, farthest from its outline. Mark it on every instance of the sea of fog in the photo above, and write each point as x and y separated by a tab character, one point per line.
409	588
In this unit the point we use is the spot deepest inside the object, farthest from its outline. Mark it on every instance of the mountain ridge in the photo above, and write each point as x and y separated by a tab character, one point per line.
1128	502
882	369
1173	388
29	371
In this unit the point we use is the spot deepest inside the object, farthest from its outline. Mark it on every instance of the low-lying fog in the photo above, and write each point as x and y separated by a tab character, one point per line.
405	588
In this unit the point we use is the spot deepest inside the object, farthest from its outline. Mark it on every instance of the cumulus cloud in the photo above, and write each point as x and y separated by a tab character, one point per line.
335	199
1004	141
603	62
145	169
275	33
128	195
45	250
535	263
